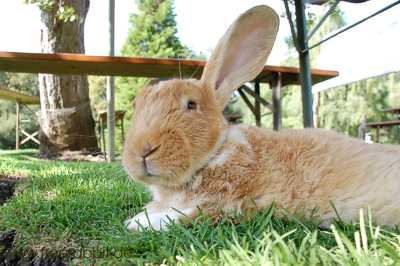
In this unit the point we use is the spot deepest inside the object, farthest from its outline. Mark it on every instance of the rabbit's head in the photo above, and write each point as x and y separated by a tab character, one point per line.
178	124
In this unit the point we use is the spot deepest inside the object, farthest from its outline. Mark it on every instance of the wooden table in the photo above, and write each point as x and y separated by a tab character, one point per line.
78	64
395	111
382	124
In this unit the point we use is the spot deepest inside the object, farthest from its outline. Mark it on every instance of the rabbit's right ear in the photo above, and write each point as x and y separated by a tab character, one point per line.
242	52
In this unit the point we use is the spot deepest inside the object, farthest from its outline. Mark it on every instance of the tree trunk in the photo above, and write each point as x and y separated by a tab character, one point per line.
66	118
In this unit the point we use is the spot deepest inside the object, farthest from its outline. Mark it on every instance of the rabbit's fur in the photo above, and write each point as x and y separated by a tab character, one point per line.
180	145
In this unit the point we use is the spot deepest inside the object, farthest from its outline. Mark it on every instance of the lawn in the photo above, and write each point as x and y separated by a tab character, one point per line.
74	212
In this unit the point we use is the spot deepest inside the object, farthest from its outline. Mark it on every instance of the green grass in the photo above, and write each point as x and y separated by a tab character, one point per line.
76	210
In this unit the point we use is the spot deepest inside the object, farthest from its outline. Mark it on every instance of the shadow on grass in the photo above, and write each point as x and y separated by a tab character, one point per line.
76	209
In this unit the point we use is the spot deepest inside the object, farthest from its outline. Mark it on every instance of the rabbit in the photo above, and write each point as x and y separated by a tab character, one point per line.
182	148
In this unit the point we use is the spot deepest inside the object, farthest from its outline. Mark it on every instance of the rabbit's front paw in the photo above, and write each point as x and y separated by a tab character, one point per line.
155	220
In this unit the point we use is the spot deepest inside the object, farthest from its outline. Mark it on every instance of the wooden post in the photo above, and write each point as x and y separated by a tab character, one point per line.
257	103
276	101
362	129
17	119
247	101
377	134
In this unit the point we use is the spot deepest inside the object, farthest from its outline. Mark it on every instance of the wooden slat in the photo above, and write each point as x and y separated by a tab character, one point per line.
18	97
79	64
392	110
384	123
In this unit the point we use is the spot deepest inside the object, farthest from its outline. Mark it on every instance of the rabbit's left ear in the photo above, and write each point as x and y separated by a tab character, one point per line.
242	52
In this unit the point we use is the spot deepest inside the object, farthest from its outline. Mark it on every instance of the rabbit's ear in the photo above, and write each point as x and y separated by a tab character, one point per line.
242	52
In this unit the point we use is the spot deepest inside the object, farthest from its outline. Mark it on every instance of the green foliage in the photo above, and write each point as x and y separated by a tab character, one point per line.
63	12
78	206
344	107
152	34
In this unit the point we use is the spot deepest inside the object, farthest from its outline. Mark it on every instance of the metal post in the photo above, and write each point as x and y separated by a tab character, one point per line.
17	119
276	85
257	103
110	90
305	72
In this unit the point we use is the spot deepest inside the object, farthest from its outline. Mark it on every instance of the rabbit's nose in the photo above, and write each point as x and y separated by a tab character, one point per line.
148	150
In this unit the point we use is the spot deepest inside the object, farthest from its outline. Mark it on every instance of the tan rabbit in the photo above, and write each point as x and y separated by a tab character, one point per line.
181	147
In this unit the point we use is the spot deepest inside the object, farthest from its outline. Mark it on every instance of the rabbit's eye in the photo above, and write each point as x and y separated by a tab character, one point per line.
191	105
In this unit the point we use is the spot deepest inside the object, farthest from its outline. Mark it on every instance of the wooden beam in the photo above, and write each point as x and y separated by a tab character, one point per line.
18	97
262	100
384	123
247	101
30	137
79	64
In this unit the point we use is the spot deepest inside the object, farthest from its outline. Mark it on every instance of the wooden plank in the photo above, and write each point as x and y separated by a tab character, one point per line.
392	110
262	100
30	137
79	64
384	123
18	97
247	101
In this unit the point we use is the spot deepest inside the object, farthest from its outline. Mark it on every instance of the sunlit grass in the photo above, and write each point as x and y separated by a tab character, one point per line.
76	210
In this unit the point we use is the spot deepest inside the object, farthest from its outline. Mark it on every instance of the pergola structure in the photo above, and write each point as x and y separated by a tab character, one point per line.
20	100
301	38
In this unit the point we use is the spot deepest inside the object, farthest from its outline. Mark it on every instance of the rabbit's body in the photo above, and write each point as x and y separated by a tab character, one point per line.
180	145
300	170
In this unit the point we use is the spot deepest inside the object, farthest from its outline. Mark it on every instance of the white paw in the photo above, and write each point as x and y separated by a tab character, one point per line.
157	221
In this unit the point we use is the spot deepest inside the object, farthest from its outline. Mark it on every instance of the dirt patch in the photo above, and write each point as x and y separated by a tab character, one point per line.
9	255
7	188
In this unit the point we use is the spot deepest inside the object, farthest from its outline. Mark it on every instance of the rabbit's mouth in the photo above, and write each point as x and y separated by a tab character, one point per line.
147	168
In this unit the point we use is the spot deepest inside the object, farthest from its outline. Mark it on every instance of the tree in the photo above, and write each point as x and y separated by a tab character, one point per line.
65	117
152	34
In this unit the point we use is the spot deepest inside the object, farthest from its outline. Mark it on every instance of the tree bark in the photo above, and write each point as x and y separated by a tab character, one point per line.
66	118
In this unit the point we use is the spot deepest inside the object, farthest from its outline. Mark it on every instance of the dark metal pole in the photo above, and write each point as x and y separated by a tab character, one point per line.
257	103
305	72
110	90
276	85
